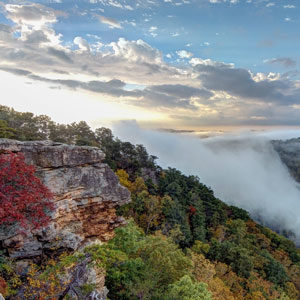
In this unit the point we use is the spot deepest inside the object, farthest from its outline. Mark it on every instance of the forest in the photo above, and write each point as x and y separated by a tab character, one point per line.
180	241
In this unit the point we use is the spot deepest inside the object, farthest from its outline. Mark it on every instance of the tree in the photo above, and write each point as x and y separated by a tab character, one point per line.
23	197
6	131
186	289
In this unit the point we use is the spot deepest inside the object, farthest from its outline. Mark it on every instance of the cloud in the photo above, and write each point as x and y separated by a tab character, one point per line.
181	91
136	51
35	14
152	31
284	61
173	96
208	62
114	3
81	43
220	1
270	4
60	54
110	21
167	96
289	6
242	169
211	91
240	82
35	37
184	54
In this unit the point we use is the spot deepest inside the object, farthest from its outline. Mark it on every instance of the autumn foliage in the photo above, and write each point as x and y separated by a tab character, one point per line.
23	197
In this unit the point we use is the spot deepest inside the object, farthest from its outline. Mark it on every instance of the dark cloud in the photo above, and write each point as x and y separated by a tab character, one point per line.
60	72
239	82
168	96
36	37
157	100
283	61
5	28
60	54
172	96
181	91
15	71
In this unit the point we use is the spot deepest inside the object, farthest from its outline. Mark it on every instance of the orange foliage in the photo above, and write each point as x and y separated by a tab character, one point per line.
204	271
3	286
219	233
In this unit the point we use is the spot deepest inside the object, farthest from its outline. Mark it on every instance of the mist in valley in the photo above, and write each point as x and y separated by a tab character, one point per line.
242	168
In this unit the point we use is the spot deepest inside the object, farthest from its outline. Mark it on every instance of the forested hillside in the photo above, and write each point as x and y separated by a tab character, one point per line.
180	243
289	152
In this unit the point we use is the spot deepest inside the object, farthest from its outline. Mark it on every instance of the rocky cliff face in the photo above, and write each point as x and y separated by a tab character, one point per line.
86	194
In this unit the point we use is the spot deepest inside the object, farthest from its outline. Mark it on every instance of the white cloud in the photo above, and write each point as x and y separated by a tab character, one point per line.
82	43
184	54
219	1
270	4
289	6
232	91
33	15
34	23
110	21
208	62
152	31
136	51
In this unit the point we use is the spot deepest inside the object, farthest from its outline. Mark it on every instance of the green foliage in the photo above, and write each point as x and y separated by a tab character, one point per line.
150	259
186	289
139	266
238	213
119	155
200	247
5	131
274	270
234	255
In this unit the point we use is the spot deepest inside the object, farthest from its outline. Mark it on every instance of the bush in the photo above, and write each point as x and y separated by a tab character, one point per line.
23	197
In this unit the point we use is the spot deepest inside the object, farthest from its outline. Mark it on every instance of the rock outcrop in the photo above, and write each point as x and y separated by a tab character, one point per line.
86	195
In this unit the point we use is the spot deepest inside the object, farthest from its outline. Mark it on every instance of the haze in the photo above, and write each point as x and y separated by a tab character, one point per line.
242	169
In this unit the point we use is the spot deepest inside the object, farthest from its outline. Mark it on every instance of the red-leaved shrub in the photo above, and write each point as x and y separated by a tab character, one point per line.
23	197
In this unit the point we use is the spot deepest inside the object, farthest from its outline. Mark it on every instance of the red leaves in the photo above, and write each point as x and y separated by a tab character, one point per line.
23	197
193	210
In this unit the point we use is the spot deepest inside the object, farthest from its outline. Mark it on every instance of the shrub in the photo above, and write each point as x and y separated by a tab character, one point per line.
23	197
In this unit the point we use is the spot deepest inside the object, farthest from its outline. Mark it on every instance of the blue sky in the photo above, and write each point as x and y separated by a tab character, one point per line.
188	63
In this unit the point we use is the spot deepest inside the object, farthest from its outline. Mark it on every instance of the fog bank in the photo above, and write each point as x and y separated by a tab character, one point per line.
243	169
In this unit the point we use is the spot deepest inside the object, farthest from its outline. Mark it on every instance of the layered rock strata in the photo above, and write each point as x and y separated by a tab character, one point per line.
86	195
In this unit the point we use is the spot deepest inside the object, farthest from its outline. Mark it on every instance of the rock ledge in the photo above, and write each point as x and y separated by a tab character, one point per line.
86	194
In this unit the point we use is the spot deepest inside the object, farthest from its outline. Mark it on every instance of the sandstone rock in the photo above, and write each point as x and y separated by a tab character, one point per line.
86	195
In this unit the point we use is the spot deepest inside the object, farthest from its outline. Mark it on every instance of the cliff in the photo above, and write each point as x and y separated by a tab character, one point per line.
86	195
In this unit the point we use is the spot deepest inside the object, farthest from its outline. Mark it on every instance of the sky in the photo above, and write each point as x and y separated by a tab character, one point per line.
182	64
